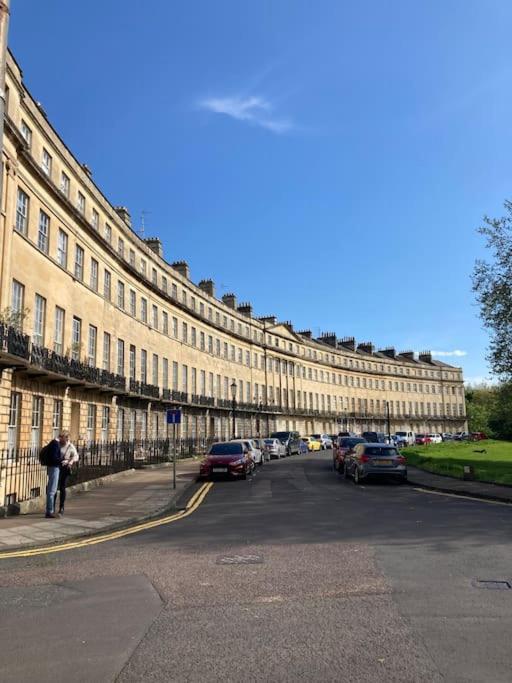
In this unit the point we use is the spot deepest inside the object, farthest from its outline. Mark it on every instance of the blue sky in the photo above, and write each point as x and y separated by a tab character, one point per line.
327	161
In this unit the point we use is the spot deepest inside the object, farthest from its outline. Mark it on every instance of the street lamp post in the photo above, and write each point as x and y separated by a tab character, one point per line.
233	406
389	421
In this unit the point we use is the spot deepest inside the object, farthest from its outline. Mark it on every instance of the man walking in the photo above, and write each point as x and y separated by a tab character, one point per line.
69	458
53	459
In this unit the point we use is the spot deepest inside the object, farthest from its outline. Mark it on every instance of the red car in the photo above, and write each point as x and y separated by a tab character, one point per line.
342	446
228	459
477	436
422	439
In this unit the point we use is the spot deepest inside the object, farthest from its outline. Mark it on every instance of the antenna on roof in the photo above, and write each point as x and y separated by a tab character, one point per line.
143	215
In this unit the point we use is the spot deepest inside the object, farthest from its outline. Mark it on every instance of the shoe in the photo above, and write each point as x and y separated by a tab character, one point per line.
61	511
48	515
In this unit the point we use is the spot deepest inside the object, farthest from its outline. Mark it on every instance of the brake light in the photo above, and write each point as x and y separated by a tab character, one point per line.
402	460
364	458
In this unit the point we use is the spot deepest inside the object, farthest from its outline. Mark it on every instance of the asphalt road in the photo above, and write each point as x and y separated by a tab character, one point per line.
291	575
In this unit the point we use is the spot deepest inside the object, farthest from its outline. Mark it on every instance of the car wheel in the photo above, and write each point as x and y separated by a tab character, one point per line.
244	476
343	471
357	476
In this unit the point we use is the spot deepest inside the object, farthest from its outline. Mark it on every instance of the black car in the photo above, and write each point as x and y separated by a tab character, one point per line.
374	437
290	439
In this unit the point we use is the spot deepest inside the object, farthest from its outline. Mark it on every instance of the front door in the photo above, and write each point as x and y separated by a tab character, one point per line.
75	422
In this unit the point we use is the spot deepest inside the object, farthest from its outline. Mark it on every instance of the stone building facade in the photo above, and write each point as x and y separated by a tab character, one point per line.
101	335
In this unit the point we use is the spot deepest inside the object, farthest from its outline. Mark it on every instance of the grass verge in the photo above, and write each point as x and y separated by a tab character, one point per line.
493	465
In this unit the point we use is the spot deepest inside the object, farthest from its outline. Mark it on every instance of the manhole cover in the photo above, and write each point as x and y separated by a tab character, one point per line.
241	559
492	584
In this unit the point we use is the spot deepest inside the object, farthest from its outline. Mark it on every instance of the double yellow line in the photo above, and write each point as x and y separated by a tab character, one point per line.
191	507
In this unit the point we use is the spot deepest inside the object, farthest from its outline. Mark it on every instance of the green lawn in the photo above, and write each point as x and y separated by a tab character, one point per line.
495	465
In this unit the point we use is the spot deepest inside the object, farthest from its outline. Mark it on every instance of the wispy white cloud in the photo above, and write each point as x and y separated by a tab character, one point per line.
250	109
456	352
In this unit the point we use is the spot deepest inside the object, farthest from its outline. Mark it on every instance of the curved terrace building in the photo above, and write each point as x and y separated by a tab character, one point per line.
101	335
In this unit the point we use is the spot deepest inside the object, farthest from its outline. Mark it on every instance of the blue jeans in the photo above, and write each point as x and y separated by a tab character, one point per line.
51	488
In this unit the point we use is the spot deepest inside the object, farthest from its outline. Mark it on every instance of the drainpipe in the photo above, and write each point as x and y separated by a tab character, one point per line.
4	27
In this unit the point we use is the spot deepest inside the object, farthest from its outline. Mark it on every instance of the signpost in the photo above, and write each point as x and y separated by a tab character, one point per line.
174	418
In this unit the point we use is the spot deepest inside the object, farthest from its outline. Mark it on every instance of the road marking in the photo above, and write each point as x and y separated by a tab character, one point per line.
191	507
461	495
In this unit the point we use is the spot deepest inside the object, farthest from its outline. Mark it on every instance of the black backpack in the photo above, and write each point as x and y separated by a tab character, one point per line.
44	455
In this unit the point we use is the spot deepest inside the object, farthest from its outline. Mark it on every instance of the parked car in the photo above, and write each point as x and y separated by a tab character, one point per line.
342	446
405	438
478	436
290	439
325	440
374	460
461	436
374	437
447	436
253	449
422	439
435	438
229	458
311	443
274	448
260	443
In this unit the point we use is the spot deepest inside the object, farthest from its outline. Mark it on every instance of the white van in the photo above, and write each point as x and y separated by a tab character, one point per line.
405	438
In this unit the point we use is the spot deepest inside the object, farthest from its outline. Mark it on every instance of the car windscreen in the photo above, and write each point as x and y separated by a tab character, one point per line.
384	452
270	442
315	436
226	449
350	442
280	435
420	436
400	433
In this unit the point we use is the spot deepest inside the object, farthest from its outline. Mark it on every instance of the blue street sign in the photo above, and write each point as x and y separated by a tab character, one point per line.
174	417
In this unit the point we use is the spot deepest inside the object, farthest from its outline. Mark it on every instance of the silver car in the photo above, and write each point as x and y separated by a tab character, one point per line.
275	448
374	460
260	443
254	451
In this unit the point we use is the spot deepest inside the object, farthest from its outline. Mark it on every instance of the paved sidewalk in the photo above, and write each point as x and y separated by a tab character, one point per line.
133	497
439	482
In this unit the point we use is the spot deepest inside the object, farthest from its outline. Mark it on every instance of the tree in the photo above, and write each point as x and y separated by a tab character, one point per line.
481	403
500	422
492	284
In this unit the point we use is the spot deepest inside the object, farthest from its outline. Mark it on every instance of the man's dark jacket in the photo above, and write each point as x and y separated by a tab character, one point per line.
54	455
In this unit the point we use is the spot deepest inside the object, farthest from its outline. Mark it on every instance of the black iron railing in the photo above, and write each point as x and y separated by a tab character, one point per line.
24	478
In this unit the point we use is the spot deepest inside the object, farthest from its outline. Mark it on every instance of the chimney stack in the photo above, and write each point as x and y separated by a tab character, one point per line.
348	343
426	356
328	338
407	354
245	309
155	244
207	286
182	268
270	319
365	347
229	300
389	351
124	214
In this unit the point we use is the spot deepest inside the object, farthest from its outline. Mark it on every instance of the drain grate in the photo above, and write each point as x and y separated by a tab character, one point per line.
492	584
241	559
